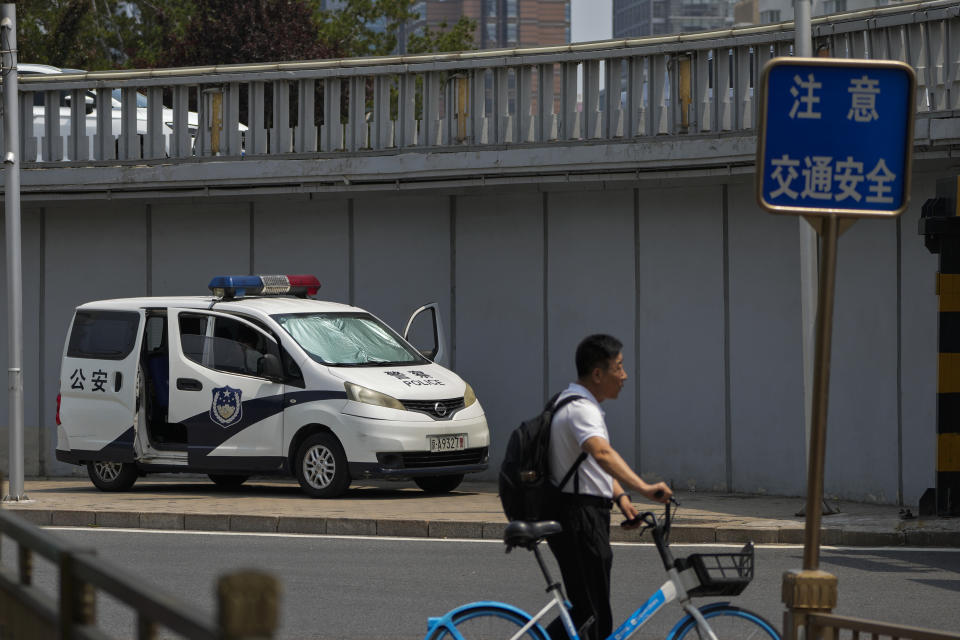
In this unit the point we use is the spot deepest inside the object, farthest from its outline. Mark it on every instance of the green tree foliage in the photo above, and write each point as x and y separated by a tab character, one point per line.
84	34
159	24
459	37
110	34
236	31
351	33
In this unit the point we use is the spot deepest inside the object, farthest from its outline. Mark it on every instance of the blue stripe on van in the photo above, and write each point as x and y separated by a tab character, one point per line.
204	435
119	450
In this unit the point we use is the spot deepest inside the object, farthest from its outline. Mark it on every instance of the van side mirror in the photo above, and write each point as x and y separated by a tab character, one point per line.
269	366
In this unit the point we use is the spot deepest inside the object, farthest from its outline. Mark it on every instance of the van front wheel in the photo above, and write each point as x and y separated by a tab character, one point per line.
112	476
321	466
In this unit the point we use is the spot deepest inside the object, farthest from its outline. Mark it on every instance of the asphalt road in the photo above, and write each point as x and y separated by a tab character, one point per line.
386	588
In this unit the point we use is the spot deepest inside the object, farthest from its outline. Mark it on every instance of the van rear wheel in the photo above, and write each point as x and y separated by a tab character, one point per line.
321	466
112	476
439	484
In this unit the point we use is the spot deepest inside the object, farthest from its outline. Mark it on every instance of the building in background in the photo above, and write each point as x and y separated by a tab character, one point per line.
501	23
773	11
632	18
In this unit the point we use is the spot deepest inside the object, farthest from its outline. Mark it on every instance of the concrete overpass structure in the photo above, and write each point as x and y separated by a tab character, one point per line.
536	204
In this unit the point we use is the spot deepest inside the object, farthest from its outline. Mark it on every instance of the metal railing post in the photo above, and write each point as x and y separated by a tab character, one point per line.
684	91
247	605
25	565
77	599
216	119
462	108
146	628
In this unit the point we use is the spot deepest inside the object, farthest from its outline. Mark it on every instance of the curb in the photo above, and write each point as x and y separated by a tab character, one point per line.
421	528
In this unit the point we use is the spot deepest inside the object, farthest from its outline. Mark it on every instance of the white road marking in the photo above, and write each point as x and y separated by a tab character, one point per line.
676	545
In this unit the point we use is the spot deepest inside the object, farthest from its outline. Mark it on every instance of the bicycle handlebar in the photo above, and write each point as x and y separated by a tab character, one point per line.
650	520
660	529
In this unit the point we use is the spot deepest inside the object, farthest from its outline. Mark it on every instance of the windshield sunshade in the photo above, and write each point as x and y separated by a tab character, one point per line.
347	339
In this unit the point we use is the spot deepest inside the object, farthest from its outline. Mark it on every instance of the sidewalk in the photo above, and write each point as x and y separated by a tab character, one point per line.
473	511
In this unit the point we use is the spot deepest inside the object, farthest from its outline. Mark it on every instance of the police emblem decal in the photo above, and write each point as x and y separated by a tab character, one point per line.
226	409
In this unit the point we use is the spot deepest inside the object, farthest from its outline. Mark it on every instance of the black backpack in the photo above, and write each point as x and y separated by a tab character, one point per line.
526	492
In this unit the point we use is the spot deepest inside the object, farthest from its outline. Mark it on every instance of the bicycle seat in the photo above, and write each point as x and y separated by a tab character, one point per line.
520	533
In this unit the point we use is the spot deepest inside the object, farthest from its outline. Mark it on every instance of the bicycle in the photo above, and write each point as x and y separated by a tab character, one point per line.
696	575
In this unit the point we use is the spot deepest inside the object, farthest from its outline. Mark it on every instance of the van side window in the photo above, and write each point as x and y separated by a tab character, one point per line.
291	371
155	337
193	329
233	348
103	335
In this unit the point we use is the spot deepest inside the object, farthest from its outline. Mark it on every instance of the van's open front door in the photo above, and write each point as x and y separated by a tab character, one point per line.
425	332
98	386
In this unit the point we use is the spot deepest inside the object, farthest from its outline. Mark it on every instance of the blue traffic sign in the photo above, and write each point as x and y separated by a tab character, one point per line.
835	136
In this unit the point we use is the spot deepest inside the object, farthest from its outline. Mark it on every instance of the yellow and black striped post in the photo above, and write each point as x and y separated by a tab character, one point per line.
940	223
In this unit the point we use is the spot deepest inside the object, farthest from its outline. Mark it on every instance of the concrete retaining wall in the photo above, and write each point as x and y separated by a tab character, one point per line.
698	282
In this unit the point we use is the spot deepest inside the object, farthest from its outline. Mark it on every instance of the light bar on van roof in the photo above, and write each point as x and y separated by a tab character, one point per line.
239	286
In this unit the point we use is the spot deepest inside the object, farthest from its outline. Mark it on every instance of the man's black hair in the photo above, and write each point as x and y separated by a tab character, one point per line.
596	351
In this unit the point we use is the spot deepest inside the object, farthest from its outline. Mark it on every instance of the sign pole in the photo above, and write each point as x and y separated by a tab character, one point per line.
812	590
821	390
11	198
834	144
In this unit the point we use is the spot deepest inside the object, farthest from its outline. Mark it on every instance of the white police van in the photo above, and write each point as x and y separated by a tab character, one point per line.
261	379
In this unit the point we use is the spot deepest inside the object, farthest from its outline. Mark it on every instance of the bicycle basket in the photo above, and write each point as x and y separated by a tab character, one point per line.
721	574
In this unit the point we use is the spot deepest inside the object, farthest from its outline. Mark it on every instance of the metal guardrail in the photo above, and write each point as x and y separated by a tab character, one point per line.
681	85
247	601
824	626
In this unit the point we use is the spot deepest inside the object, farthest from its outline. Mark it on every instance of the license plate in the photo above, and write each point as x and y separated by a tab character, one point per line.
455	442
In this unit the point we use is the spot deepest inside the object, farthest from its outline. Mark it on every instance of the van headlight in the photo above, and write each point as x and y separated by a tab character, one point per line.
469	397
368	396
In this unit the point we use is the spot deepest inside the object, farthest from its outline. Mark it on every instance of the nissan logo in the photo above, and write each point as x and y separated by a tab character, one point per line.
440	409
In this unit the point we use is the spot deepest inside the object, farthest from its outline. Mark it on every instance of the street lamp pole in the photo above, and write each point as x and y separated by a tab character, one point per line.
11	199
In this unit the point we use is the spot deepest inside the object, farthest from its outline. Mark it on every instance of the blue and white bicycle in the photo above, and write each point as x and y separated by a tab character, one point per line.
697	575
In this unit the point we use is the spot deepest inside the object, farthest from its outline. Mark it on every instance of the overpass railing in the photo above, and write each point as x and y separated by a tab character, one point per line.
679	85
825	626
247	601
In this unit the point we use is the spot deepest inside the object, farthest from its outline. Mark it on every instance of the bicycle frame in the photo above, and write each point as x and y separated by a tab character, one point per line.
666	594
671	590
677	587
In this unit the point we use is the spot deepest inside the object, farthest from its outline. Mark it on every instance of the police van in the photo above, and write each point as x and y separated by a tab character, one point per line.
260	378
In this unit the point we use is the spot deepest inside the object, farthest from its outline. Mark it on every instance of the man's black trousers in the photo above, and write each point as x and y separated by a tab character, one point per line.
583	552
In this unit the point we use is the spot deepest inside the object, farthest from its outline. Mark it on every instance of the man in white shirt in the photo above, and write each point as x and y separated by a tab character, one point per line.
583	549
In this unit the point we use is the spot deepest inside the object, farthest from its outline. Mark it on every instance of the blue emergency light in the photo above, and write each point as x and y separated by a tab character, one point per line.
228	287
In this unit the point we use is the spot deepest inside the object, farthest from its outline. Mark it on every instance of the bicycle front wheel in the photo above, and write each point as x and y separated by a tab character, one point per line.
728	623
485	622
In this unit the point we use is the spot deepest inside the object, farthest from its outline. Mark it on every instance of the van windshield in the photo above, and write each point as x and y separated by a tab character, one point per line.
348	339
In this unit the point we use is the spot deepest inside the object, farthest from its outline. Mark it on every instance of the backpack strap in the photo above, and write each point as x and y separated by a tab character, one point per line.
583	454
570	472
